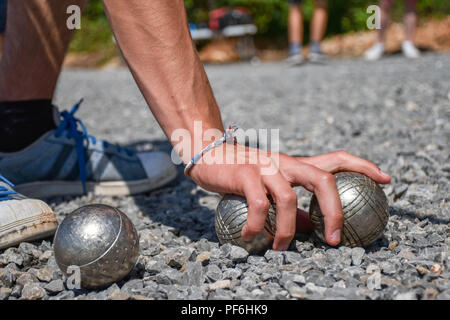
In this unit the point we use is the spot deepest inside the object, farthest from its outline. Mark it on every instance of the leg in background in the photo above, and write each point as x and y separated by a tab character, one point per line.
386	7
410	19
295	28
378	49
319	22
410	22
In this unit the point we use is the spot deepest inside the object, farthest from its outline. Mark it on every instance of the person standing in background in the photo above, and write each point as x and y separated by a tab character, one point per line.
295	32
410	22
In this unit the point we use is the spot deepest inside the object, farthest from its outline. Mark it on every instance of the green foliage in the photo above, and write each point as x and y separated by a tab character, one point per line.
270	16
95	33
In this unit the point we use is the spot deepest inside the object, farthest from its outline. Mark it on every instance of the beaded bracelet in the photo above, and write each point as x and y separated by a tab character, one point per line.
227	137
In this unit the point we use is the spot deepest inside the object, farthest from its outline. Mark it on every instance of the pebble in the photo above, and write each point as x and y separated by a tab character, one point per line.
220	284
357	255
32	291
118	295
54	286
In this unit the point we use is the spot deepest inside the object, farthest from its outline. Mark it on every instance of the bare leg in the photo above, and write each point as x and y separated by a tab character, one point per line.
386	6
35	43
410	19
295	28
319	21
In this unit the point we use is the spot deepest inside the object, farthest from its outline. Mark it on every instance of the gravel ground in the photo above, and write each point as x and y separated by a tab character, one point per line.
394	112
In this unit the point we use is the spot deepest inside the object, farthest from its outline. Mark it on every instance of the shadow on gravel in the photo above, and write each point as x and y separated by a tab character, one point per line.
180	204
405	214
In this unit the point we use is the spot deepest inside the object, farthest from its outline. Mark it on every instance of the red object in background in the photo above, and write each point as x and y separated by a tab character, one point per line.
223	17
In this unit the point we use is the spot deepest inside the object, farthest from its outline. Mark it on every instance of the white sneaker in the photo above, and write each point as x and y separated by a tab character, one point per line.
409	50
23	219
295	59
375	52
317	57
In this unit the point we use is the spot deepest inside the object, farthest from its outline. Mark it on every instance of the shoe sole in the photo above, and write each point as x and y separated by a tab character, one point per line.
46	189
41	223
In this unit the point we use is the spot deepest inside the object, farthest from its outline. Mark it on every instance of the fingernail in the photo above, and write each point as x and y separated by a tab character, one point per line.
336	236
384	174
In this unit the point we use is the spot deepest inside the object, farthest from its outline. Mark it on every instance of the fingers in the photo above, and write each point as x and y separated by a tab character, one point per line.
286	206
344	161
258	207
323	185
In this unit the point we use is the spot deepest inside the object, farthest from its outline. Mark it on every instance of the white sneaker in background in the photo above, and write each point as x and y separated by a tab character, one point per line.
409	50
317	57
375	52
295	59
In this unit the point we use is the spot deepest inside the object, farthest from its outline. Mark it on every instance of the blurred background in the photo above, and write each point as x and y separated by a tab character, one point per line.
346	32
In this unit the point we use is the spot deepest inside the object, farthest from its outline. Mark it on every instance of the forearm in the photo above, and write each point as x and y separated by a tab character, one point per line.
155	41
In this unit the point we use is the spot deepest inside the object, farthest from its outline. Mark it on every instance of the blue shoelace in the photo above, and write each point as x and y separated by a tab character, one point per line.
5	193
69	124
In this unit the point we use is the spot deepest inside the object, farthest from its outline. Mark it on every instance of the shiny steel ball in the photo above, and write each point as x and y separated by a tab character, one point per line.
231	216
100	240
365	208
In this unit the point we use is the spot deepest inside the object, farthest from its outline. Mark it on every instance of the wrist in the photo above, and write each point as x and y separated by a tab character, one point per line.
189	142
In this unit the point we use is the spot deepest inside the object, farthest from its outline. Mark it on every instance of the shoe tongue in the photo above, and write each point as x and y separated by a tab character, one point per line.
56	116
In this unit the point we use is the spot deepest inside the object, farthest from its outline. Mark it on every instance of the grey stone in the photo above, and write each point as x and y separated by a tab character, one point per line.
54	286
134	287
287	276
5	293
65	295
168	276
26	278
445	295
196	293
45	256
12	255
203	245
238	254
193	274
16	291
274	256
231	273
213	273
357	255
220	294
154	266
312	288
256	260
7	278
32	291
292	257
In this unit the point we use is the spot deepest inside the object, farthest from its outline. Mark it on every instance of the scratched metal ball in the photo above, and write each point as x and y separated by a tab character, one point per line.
231	216
100	240
365	208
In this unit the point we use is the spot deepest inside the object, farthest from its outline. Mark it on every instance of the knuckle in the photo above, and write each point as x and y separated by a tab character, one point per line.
342	154
326	178
260	204
289	197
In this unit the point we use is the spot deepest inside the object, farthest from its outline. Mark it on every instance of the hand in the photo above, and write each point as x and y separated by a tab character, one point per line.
313	173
